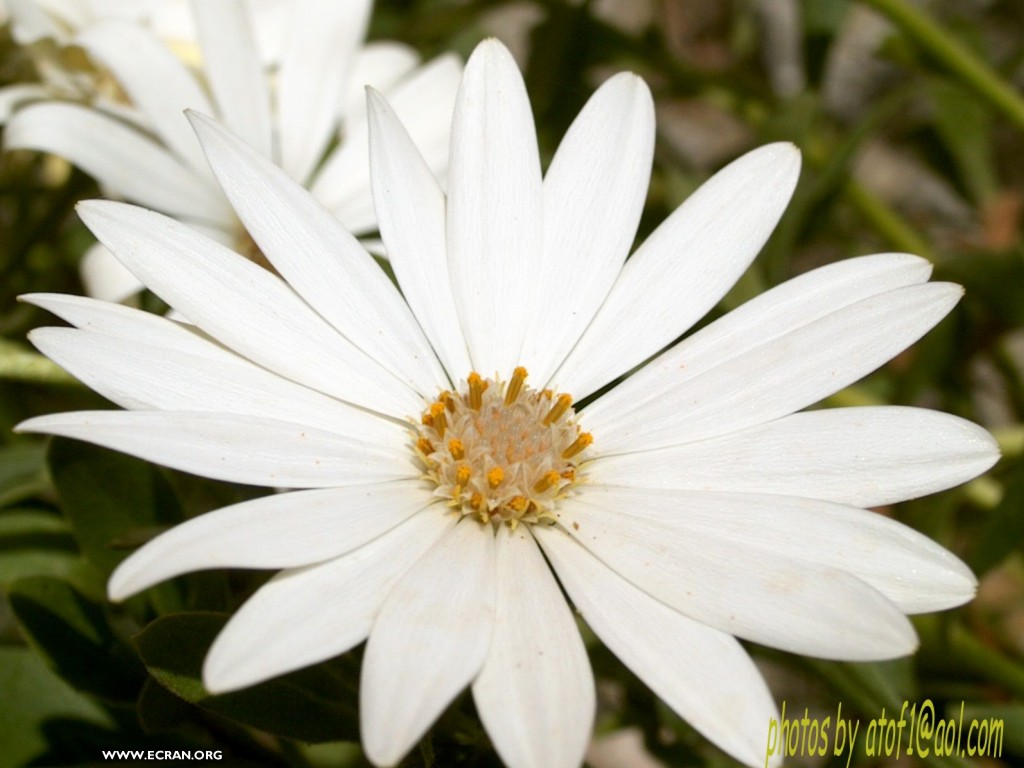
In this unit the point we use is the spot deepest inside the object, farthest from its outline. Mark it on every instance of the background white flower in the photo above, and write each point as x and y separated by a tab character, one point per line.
147	153
706	508
47	28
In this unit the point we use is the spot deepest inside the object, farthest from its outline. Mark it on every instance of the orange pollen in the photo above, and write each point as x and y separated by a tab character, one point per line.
425	446
495	477
462	475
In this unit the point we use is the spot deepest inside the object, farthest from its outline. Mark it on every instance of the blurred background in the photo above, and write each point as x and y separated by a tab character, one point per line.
910	117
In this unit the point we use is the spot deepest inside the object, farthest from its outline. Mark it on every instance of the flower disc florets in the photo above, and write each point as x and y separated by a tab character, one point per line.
504	452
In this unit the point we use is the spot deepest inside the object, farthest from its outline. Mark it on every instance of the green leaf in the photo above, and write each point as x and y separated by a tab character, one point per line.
964	123
35	705
22	472
73	633
1008	717
36	543
109	498
869	686
1004	530
312	705
160	710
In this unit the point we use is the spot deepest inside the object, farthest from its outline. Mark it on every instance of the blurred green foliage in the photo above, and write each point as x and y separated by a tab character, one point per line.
912	141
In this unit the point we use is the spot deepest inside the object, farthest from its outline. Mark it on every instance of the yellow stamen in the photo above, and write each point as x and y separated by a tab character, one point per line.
547	480
438	418
446	398
476	390
501	451
581	444
515	386
559	409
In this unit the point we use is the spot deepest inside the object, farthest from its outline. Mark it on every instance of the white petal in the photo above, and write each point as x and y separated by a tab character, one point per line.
342	183
684	267
244	306
423	102
12	97
343	186
124	161
535	693
155	80
104	278
31	22
240	449
907	567
129	324
494	209
321	261
702	673
141	376
788	306
753	593
283	530
594	193
315	67
668	406
307	615
428	642
234	70
411	209
864	457
771	315
380	65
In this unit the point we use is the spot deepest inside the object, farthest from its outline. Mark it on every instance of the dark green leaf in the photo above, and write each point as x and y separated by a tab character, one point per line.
964	122
73	633
311	705
36	543
1007	717
22	472
1004	530
160	710
34	701
108	497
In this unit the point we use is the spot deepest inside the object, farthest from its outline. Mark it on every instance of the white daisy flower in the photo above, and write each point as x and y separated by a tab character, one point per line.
290	113
62	20
48	28
443	464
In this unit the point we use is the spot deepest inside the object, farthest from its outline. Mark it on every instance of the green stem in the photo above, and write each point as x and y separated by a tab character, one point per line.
893	229
18	364
986	661
1010	439
954	56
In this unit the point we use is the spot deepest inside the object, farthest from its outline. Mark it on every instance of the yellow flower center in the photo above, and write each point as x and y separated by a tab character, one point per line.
504	452
245	245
